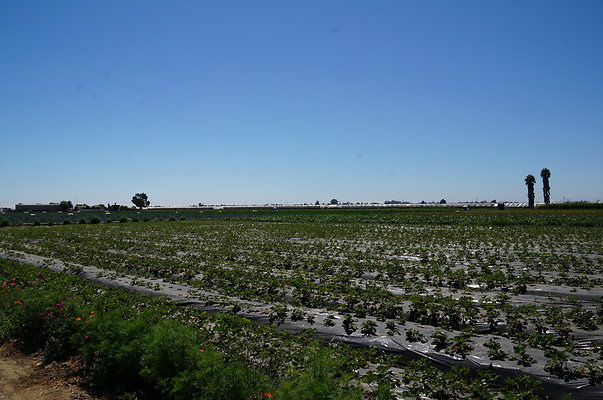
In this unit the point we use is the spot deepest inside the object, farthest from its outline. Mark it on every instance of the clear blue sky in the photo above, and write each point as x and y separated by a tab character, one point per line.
297	101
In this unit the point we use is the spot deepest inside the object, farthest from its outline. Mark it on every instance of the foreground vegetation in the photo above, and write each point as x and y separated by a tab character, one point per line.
152	349
518	289
138	347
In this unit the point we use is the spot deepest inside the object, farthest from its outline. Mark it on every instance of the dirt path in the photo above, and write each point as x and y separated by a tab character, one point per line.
25	377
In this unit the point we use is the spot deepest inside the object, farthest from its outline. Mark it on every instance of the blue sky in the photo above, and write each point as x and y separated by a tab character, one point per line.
296	101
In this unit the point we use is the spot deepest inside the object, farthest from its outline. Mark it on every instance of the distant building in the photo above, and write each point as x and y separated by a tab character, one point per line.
37	207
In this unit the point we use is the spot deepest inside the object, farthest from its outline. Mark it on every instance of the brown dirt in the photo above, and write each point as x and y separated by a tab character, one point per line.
25	377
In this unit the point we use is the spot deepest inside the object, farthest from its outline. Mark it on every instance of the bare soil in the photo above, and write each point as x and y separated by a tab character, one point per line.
25	377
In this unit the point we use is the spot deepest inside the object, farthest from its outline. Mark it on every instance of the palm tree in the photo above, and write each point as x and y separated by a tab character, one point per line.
530	181
545	174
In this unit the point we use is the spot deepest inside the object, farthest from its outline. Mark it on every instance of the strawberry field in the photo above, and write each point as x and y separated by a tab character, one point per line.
431	299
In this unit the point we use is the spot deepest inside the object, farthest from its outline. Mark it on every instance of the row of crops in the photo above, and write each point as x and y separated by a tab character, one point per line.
546	216
507	292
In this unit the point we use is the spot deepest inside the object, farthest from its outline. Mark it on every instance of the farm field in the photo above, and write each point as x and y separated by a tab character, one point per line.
516	293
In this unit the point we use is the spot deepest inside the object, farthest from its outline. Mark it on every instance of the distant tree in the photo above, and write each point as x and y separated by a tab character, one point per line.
423	202
334	201
317	203
141	200
443	201
545	174
530	181
65	205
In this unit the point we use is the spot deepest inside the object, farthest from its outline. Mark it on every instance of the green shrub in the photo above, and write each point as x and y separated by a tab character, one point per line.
123	220
113	350
324	377
28	315
4	223
212	378
82	221
177	366
40	319
66	221
170	348
37	222
62	336
95	220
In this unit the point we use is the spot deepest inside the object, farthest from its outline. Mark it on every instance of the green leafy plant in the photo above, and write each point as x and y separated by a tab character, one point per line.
277	315
368	328
460	345
522	356
349	325
495	351
413	335
322	378
440	340
392	328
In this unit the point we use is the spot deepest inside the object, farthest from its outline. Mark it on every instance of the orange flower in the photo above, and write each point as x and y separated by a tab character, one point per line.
91	315
17	302
267	394
78	319
86	337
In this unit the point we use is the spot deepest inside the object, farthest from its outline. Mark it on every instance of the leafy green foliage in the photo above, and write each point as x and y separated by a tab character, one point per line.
141	200
322	378
114	350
